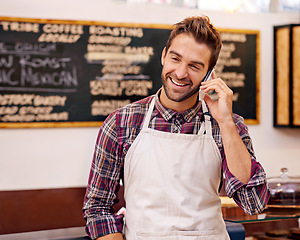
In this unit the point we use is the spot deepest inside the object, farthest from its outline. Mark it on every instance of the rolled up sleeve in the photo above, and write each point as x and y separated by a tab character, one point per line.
253	196
103	185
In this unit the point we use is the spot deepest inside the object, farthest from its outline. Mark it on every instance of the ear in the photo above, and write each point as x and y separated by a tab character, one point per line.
163	55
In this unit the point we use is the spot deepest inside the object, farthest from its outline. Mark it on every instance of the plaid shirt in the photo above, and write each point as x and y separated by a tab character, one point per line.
115	138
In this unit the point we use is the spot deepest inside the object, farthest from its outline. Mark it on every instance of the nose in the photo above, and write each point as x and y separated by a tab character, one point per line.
181	71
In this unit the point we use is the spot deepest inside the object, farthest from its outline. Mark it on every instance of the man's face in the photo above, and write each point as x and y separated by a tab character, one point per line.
184	66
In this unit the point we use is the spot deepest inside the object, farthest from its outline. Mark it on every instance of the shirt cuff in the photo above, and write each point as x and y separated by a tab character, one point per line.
253	196
232	184
105	225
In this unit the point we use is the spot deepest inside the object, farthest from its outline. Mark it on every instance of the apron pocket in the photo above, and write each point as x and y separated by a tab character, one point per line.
179	235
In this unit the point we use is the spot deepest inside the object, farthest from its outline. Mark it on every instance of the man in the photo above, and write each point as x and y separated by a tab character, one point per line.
172	151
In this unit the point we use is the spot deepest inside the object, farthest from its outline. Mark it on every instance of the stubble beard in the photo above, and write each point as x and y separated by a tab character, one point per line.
177	97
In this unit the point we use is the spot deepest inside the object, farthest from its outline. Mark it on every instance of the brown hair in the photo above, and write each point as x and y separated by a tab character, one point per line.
203	31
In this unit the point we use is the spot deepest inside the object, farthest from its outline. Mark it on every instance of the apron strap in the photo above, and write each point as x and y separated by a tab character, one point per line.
148	115
206	125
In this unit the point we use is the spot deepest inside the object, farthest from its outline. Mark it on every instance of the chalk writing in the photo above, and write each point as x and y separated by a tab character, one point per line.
19	27
226	60
64	38
233	37
118	88
31	107
234	79
139	50
58	74
123	41
34	47
63	33
133	87
129	32
35	110
57	79
6	77
105	107
63	28
49	100
104	48
63	116
121	67
8	110
108	88
16	99
53	63
6	62
29	48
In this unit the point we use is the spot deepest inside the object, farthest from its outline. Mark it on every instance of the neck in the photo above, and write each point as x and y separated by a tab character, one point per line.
177	106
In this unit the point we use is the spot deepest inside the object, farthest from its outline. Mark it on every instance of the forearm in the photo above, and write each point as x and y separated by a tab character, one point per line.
237	156
113	236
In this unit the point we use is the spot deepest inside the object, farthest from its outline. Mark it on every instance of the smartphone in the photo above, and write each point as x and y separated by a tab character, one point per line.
206	78
208	75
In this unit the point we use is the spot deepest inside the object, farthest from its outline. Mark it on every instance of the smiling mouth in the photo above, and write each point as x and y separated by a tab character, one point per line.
177	83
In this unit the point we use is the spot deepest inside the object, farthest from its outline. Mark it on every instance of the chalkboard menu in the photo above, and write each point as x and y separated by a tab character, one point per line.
56	73
238	66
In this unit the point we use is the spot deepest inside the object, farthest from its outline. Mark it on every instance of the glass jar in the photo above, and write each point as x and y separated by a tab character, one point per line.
285	190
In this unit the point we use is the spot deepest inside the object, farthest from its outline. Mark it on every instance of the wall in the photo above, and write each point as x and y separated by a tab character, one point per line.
57	158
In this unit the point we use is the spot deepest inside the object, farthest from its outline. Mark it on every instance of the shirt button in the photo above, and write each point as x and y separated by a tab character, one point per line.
250	200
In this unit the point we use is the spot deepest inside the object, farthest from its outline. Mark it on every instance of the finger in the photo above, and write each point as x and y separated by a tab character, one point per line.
218	86
216	82
212	85
213	75
223	83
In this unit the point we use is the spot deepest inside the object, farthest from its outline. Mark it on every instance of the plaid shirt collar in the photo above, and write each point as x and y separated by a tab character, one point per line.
168	114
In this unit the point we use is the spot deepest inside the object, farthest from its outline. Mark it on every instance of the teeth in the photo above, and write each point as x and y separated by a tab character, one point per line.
176	83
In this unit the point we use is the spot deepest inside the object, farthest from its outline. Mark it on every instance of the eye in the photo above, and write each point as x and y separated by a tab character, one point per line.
194	67
176	59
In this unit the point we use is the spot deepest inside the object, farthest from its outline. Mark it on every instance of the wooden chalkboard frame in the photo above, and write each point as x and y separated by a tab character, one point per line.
256	34
286	83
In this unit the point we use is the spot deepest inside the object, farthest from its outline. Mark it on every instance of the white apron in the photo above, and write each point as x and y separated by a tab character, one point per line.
171	185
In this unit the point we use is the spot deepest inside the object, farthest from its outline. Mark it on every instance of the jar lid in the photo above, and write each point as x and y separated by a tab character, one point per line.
284	177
